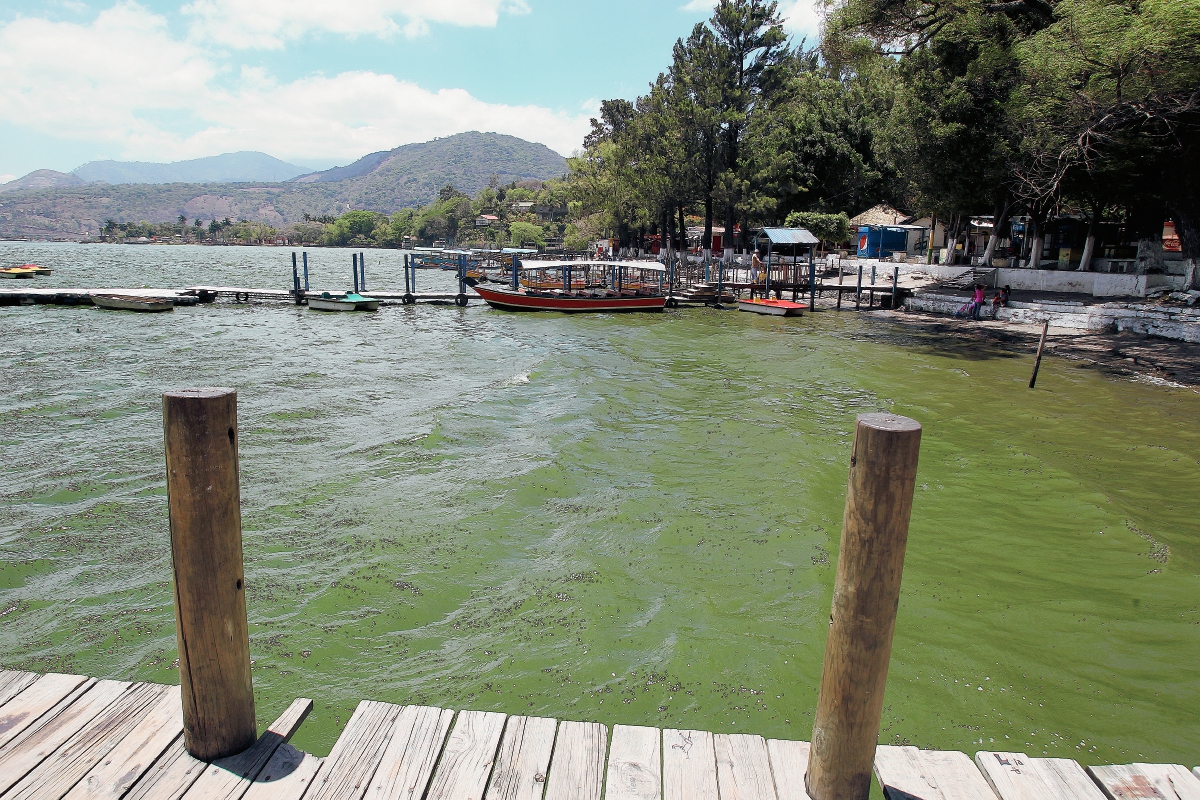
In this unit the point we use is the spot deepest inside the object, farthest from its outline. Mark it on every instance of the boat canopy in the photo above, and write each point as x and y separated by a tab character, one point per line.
789	236
534	266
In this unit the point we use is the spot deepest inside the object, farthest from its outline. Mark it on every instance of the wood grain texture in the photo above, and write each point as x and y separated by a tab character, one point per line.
204	506
789	762
117	772
229	778
879	494
74	759
39	741
634	764
577	771
44	695
170	776
1016	776
906	773
689	765
1137	781
287	776
355	757
408	761
524	759
12	683
743	767
463	770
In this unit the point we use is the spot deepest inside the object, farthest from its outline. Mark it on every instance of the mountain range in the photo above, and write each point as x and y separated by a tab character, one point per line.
56	205
226	168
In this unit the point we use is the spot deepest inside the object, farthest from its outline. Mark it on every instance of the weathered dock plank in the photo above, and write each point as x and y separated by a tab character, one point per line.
689	765
1016	776
116	774
355	756
1130	781
287	776
77	756
789	762
462	773
39	741
47	693
634	764
577	771
410	756
170	776
743	767
230	778
12	683
524	759
911	774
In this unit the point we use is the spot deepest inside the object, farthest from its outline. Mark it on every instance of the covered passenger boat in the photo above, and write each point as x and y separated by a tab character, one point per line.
575	286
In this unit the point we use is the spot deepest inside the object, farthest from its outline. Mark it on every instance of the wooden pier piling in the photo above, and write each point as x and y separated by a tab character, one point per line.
1037	365
204	503
883	471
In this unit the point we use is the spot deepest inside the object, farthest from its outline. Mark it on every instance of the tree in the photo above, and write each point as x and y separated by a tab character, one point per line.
521	233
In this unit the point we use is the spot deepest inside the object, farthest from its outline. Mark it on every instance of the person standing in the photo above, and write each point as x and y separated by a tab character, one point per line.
977	301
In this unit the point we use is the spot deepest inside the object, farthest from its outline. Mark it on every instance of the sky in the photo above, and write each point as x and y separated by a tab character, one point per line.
316	82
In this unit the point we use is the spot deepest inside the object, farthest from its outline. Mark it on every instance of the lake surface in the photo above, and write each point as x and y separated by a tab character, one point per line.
632	519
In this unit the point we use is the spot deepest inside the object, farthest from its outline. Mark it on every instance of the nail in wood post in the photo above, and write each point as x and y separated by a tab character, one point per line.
204	502
883	470
1037	365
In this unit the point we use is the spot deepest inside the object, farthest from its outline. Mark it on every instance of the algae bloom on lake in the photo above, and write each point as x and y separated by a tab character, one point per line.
632	520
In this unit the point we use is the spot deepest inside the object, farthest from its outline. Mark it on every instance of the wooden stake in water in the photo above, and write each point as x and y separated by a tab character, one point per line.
879	494
204	504
1038	363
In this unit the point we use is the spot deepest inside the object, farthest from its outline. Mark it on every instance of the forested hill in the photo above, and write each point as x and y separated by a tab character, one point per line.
408	176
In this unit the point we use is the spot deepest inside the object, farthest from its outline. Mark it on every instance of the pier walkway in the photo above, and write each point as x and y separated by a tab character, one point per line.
68	736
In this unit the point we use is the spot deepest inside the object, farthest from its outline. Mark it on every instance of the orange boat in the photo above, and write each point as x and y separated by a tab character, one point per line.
771	307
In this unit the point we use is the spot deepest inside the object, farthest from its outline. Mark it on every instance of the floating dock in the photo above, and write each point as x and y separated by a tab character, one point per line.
69	736
190	296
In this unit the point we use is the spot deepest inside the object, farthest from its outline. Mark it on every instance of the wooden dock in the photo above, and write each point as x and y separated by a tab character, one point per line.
190	296
72	737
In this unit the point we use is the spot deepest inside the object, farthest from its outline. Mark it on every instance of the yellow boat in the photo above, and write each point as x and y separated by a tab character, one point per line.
19	272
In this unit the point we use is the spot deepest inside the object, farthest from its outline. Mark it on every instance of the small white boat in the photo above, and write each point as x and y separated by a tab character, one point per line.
350	301
774	308
129	302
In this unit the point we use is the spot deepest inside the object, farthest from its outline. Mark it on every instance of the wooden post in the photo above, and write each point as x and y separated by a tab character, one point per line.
883	471
1041	346
204	503
839	300
858	292
895	287
354	270
305	254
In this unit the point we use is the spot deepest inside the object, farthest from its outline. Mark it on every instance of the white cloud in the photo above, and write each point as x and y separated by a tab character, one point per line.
270	23
124	80
803	18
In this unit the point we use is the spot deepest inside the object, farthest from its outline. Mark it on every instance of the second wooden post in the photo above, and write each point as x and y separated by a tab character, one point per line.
204	500
883	470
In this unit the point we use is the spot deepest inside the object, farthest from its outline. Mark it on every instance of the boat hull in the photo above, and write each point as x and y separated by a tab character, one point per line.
17	273
325	304
130	303
508	300
773	308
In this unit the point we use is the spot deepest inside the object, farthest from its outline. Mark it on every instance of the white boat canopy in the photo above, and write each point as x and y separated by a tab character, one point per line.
533	266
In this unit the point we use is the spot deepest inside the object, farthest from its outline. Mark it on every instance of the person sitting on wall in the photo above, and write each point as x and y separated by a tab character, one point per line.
1001	299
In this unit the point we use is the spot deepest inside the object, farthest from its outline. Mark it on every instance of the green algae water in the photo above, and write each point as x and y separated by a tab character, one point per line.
632	519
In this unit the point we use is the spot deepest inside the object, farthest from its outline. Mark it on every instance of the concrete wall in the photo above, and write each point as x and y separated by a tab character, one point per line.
1097	284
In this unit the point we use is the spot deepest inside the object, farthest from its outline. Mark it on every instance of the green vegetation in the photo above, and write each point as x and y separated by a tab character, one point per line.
957	108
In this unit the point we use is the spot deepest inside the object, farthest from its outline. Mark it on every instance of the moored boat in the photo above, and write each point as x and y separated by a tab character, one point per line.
18	272
771	307
128	302
350	301
581	286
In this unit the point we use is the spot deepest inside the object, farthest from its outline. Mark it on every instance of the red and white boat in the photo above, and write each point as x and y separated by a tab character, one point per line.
581	286
772	307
